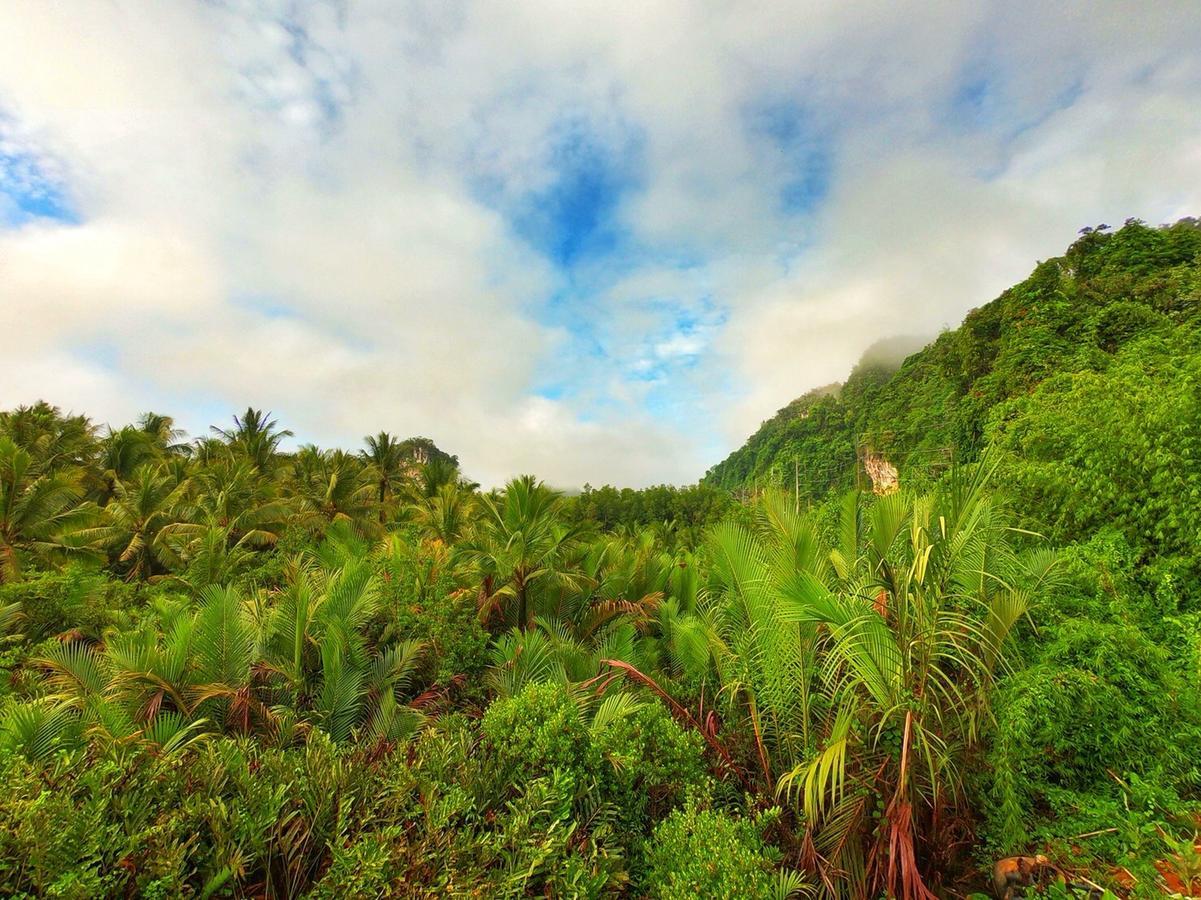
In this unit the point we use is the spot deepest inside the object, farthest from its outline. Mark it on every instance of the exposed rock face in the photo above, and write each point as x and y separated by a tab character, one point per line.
883	474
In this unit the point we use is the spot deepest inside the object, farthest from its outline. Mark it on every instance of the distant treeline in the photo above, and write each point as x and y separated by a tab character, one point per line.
612	508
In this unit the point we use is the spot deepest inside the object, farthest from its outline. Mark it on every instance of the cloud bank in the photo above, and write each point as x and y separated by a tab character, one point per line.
599	242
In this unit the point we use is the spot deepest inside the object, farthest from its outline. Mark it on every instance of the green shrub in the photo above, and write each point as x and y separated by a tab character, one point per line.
705	853
448	623
74	598
653	763
1124	321
538	731
361	870
53	842
81	827
425	604
1102	705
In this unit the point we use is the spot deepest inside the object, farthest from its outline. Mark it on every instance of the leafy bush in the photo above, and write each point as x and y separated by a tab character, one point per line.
538	731
448	624
654	762
1103	705
74	598
1121	322
232	814
425	604
705	853
1119	449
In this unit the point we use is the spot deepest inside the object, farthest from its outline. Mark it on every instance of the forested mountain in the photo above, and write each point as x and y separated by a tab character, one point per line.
1083	375
229	668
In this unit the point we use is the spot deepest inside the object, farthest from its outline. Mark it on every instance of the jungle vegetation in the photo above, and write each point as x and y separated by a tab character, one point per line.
234	666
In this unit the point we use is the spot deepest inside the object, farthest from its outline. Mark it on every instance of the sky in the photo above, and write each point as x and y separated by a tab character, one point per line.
594	241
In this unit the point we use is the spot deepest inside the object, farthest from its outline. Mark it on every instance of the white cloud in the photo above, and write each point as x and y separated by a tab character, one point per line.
281	204
680	345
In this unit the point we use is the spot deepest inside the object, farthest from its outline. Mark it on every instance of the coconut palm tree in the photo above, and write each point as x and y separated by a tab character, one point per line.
200	554
166	438
434	474
520	546
41	513
255	436
234	495
232	512
52	440
629	577
122	450
142	506
447	516
388	462
334	487
316	647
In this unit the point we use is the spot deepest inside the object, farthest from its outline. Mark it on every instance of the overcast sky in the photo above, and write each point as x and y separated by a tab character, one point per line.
596	241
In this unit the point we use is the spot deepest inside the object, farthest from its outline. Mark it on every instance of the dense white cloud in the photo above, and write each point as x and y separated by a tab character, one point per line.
330	210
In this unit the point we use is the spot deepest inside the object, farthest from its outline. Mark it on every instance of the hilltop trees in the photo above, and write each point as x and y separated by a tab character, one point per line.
1111	301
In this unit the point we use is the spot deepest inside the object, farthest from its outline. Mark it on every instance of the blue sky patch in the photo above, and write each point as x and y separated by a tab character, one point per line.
799	150
27	191
102	352
974	103
576	216
982	100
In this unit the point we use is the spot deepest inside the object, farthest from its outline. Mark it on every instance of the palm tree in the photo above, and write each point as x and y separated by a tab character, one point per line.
630	578
447	516
187	665
40	514
334	487
121	451
864	670
434	474
235	513
51	439
208	450
233	495
142	507
520	546
552	651
165	437
214	662
315	646
200	554
388	461
224	649
255	436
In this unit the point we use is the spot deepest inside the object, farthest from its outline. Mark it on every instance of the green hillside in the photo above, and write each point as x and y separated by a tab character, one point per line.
1083	375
